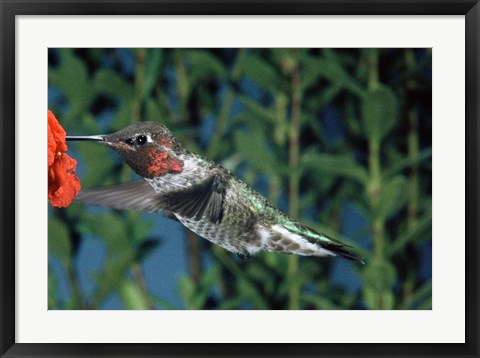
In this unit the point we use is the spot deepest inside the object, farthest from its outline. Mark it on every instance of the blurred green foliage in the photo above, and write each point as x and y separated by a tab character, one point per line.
323	129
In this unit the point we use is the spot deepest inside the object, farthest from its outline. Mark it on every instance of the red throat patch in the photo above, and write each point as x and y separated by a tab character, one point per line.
161	163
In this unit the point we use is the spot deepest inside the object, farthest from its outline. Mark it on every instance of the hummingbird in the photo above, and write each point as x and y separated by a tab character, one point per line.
204	196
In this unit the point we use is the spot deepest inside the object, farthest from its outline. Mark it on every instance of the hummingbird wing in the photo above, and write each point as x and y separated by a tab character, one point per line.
136	195
199	200
204	199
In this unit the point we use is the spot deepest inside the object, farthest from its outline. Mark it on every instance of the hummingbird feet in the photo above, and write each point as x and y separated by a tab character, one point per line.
244	256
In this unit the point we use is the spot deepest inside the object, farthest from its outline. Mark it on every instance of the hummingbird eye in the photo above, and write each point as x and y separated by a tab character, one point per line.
141	139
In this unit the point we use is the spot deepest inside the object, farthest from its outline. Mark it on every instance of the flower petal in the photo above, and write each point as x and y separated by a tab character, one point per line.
63	184
58	133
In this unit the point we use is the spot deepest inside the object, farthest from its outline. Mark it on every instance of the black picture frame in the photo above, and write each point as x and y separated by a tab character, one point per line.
10	9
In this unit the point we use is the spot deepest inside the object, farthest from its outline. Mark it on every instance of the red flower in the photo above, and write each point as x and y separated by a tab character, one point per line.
63	184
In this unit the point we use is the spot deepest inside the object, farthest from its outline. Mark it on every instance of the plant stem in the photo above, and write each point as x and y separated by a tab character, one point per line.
375	180
413	151
77	299
212	152
193	244
214	145
139	277
373	80
413	178
256	296
194	255
374	196
182	83
294	180
76	292
140	57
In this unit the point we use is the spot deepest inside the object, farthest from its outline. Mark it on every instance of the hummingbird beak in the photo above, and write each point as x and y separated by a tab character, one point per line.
93	138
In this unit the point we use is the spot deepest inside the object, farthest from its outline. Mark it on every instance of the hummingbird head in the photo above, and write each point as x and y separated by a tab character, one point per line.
149	148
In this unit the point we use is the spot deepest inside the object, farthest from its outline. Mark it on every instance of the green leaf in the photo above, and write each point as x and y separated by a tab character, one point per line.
111	228
71	77
59	241
245	288
392	196
153	110
251	294
98	164
194	297
379	274
231	304
422	231
52	289
426	305
86	125
141	227
257	112
379	278
282	125
421	295
162	302
353	123
152	70
204	66
111	83
262	72
262	275
320	303
113	274
379	113
317	68
378	300
187	289
402	164
257	152
123	115
132	296
335	165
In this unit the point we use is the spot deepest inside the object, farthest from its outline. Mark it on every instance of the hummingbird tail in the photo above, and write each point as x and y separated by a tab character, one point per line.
339	249
299	239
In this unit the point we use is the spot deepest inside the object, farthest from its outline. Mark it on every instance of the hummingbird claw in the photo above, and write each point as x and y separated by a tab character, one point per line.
243	256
